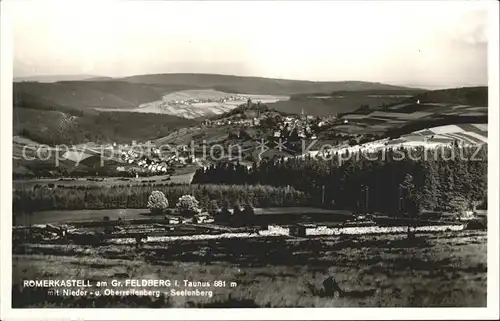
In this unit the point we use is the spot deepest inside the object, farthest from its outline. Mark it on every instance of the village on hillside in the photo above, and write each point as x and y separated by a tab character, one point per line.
252	122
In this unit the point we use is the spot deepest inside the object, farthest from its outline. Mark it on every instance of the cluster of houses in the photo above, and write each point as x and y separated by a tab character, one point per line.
241	122
244	121
152	161
250	117
207	100
329	120
301	124
218	122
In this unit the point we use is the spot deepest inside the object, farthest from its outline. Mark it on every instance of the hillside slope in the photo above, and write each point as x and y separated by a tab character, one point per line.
82	95
425	110
256	85
55	127
131	92
55	78
472	96
326	104
434	100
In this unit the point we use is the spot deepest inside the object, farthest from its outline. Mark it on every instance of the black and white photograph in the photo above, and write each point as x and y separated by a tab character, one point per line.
230	155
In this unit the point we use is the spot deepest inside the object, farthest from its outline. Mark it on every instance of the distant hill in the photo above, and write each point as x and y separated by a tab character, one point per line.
130	92
34	101
473	96
99	79
256	85
469	96
344	101
399	93
85	95
55	78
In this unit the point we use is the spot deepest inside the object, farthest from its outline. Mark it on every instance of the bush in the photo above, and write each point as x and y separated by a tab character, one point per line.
458	204
477	224
188	205
157	202
224	215
237	209
171	211
248	210
213	207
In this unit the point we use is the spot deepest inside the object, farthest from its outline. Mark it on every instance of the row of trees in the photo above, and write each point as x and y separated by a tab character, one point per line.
96	197
436	180
189	206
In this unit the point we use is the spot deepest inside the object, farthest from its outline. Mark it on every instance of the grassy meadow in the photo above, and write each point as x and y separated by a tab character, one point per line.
442	270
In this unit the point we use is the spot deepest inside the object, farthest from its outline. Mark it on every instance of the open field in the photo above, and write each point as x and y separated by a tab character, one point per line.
48	217
428	109
186	136
343	101
393	118
109	181
199	103
463	134
446	269
331	105
466	134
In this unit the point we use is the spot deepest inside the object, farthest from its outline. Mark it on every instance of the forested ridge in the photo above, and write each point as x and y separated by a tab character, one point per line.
441	180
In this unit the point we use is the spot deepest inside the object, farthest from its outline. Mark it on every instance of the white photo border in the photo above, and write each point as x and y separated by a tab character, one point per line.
7	313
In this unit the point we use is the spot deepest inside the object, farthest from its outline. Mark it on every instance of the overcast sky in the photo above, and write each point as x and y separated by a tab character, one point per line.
420	43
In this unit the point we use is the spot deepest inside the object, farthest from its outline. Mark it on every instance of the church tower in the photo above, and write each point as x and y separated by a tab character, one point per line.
303	116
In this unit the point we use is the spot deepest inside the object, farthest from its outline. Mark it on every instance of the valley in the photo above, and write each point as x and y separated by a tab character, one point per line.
249	160
243	122
148	175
